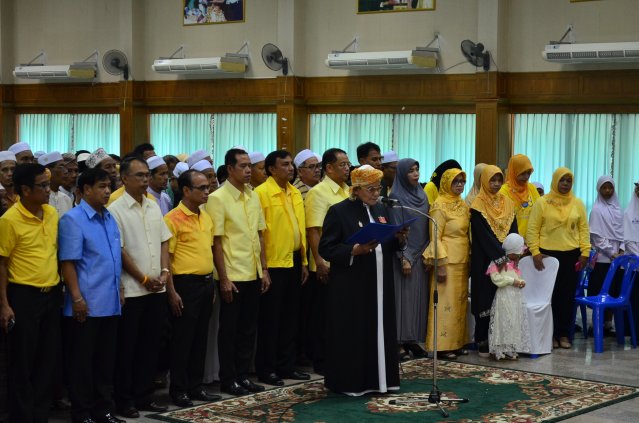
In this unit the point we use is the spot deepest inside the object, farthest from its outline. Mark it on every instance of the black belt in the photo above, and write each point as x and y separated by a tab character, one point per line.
193	278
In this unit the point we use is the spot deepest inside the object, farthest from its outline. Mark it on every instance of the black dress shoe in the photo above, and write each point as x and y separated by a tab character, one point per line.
182	400
152	406
201	395
129	412
109	418
295	375
234	389
86	420
271	379
250	386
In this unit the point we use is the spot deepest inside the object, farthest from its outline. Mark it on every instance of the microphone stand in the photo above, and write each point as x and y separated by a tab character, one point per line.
435	395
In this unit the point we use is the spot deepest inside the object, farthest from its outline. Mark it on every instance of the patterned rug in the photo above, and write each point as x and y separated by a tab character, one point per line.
495	395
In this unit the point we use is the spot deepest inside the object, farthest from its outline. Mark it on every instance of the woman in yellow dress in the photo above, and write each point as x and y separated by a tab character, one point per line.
452	215
522	193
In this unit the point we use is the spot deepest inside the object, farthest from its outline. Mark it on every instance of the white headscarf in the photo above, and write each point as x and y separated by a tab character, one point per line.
631	220
606	218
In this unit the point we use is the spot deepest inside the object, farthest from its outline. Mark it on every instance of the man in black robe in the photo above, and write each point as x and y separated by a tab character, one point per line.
361	347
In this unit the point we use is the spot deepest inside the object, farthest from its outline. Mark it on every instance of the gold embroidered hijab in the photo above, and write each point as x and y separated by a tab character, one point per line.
447	199
517	165
562	202
497	209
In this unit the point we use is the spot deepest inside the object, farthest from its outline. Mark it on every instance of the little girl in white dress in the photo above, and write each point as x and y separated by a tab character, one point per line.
508	333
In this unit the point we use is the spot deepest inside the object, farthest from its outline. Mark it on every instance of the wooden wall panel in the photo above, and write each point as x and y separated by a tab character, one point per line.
492	95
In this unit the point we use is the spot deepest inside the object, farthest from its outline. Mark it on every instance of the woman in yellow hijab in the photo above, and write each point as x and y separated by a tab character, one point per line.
558	227
452	216
522	193
492	218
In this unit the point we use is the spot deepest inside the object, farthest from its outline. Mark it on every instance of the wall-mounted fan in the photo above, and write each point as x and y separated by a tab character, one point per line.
475	54
115	62
274	59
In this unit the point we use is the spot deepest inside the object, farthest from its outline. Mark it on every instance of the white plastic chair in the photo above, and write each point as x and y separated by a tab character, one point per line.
538	296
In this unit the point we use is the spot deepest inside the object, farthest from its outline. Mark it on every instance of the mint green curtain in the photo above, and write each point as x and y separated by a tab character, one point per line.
69	132
428	138
583	143
255	131
626	157
347	131
92	131
434	138
46	132
176	133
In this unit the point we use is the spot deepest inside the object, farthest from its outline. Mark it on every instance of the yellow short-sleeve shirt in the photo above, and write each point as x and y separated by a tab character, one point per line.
31	245
190	245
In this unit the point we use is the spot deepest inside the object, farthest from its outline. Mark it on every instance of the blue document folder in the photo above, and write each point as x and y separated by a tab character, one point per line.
377	232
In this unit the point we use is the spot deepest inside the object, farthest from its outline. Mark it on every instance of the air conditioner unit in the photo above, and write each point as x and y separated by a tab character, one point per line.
412	59
208	65
592	52
81	70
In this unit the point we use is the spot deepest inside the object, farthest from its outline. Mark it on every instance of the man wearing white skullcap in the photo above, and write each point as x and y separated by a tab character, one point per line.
540	188
389	167
57	199
100	159
197	156
22	152
308	171
206	168
158	182
179	169
258	171
7	167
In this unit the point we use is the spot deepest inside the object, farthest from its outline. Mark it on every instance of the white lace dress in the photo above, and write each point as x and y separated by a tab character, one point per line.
508	333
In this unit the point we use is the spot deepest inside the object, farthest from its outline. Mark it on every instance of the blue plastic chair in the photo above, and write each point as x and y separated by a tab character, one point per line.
599	303
584	277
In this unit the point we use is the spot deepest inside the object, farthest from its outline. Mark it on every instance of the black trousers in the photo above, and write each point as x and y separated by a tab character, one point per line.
34	351
305	327
320	296
90	350
278	320
237	333
563	294
190	332
139	337
597	277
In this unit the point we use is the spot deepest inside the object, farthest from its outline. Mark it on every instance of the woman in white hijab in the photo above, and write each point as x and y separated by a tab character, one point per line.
607	238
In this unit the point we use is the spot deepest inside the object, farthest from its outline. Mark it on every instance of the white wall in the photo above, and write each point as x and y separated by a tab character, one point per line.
69	30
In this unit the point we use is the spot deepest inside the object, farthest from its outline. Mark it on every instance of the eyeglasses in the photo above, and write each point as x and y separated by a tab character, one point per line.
345	165
462	182
311	167
201	188
373	190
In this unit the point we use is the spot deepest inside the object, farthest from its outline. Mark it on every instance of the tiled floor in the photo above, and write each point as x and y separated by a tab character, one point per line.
617	364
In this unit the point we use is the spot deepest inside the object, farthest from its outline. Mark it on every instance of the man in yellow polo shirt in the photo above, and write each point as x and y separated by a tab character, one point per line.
285	242
331	190
241	270
30	295
191	291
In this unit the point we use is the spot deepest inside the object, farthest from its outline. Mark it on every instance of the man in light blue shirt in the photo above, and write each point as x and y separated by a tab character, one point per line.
90	259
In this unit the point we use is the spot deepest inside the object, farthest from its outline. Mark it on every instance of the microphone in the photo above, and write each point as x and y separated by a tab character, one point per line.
389	202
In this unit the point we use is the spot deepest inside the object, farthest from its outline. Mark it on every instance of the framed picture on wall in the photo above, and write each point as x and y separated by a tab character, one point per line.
205	12
382	6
